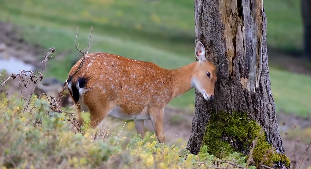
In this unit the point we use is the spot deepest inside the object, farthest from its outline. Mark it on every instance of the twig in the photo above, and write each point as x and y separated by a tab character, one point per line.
35	79
201	163
251	151
232	163
83	55
13	76
78	44
304	155
266	166
172	139
89	46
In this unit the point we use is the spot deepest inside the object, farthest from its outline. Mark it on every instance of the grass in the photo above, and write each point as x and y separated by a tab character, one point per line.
285	30
291	92
158	31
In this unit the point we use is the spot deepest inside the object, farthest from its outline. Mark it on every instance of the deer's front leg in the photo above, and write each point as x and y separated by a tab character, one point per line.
99	107
157	120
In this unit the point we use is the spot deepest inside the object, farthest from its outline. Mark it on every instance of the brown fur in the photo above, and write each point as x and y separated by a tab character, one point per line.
136	87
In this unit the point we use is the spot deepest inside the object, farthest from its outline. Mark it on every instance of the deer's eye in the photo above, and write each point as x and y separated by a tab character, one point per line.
208	74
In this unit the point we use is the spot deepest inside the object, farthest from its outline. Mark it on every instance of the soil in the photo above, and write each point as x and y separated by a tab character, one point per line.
177	122
13	44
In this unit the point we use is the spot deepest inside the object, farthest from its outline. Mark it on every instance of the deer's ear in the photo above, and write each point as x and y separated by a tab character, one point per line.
200	51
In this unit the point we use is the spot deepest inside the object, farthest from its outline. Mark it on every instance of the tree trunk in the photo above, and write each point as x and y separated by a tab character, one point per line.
306	18
234	35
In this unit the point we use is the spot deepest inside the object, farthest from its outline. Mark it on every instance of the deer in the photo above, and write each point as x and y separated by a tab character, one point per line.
124	88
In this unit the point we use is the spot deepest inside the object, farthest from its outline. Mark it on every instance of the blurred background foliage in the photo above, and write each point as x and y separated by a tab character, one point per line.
160	31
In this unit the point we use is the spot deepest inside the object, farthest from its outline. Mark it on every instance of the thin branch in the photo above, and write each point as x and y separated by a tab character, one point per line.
46	57
13	76
251	151
232	163
264	166
304	155
83	56
89	46
78	44
228	162
37	79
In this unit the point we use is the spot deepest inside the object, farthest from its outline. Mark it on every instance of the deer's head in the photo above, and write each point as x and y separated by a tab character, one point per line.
204	76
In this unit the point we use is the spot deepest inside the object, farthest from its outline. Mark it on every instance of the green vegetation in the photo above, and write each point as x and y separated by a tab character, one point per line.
291	92
284	24
224	128
41	138
158	31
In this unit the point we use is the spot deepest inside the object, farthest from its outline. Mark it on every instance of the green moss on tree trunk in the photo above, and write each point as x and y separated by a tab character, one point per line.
226	133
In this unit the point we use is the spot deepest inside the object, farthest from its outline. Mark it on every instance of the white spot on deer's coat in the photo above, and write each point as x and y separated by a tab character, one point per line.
101	76
90	64
104	91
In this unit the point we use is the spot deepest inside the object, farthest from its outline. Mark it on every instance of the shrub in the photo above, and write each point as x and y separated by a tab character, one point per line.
41	138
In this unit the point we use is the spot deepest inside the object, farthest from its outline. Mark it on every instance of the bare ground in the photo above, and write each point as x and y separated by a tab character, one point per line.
177	122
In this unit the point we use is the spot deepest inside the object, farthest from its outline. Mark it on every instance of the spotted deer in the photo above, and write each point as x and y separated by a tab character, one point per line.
124	88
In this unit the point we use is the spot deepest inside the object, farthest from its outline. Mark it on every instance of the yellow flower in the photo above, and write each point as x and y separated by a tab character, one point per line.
162	165
23	119
82	161
149	160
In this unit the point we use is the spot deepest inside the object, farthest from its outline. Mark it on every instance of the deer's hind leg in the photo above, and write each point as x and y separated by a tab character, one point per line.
140	127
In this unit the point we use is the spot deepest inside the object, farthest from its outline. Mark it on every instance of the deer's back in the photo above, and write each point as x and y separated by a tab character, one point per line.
132	84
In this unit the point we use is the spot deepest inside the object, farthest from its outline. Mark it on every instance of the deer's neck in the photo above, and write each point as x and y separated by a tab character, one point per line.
182	79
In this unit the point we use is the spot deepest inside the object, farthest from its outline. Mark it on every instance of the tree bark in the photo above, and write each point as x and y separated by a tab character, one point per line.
234	35
306	18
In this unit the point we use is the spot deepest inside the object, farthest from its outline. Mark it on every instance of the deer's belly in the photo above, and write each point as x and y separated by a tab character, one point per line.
119	113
